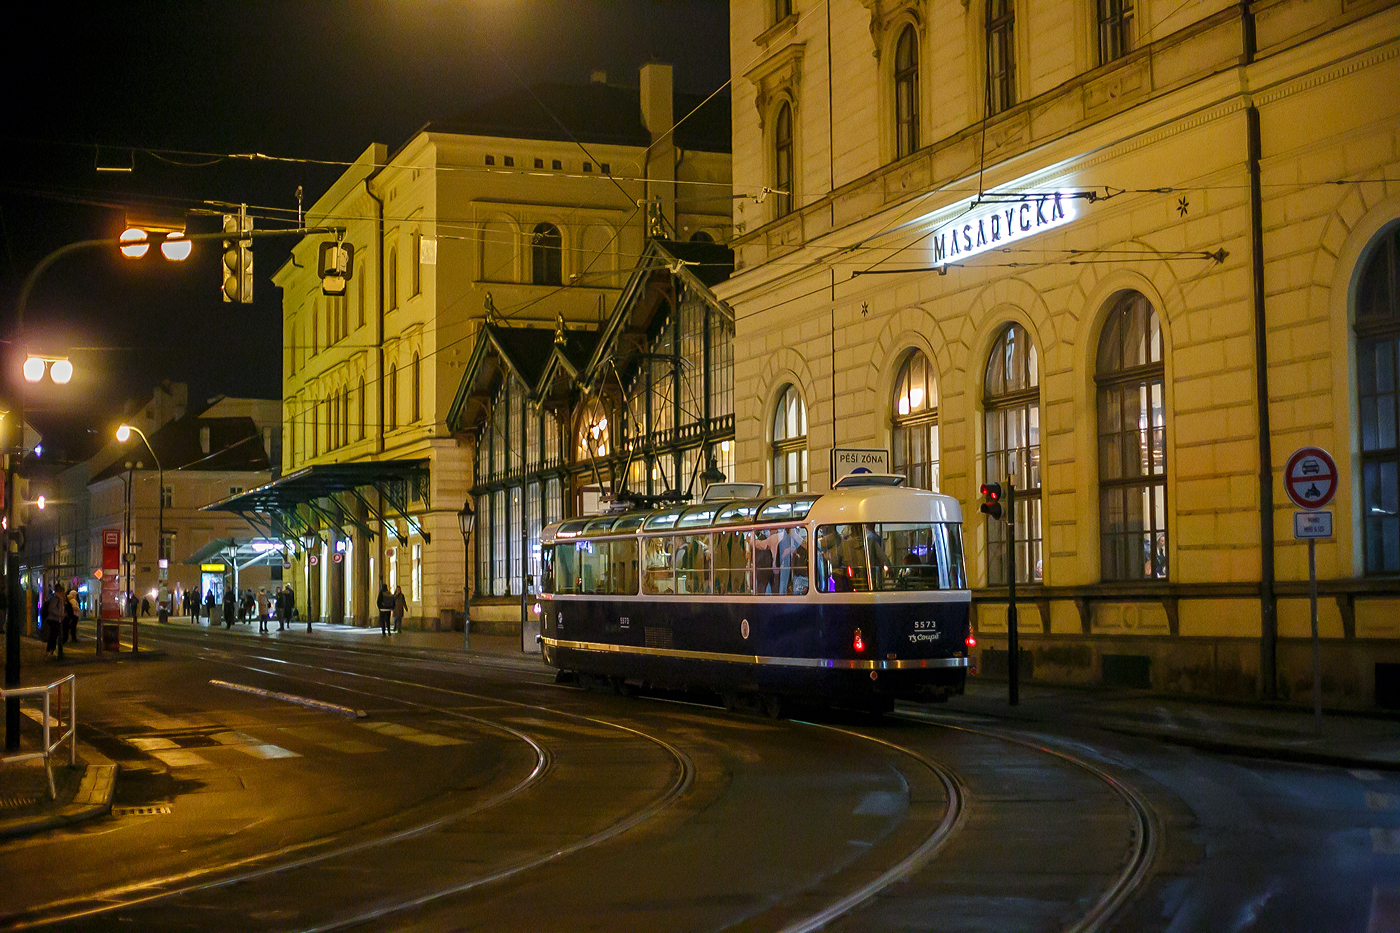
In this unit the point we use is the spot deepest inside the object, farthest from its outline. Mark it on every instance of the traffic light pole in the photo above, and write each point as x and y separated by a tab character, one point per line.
1013	646
14	455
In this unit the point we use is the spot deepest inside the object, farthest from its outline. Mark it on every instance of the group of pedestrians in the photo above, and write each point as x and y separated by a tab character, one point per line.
60	619
392	607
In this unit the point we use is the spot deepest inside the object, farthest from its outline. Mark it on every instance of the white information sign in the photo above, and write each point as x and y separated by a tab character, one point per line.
1312	525
848	460
999	224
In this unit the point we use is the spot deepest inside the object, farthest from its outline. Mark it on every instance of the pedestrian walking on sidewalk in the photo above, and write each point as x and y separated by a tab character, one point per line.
385	603
54	608
400	607
284	607
228	608
70	617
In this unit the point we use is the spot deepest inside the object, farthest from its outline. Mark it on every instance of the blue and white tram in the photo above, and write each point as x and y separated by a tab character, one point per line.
854	597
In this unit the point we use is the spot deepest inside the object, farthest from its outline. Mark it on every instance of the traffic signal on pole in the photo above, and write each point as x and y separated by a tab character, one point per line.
238	259
991	499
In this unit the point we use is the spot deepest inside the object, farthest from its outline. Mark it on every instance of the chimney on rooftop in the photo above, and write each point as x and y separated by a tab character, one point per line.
657	100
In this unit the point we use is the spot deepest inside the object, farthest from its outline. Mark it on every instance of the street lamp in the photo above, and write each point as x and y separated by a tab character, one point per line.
60	370
466	518
123	435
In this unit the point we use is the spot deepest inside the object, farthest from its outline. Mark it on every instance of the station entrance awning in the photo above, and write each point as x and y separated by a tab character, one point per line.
328	499
237	554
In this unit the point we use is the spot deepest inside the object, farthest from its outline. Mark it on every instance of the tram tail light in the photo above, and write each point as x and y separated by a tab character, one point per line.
858	643
537	608
971	640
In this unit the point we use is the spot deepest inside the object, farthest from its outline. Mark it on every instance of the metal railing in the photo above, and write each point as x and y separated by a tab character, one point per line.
50	744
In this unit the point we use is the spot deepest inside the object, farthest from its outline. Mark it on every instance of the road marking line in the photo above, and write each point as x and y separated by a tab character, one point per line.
1385	841
1376	801
291	698
38	716
150	745
571	730
1385	910
234	738
327	739
410	734
267	751
180	758
880	803
1366	774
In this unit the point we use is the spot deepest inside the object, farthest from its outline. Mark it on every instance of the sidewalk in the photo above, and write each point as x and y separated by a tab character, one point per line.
85	791
1255	730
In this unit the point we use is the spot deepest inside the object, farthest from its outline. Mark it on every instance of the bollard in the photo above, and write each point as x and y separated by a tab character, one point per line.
134	626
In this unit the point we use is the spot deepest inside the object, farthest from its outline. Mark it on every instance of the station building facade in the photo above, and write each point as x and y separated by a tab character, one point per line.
500	213
1126	255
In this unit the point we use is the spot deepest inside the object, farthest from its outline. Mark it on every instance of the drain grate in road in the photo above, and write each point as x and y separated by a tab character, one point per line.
15	801
156	810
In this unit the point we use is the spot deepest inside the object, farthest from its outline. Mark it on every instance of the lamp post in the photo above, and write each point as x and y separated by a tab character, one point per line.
466	519
123	435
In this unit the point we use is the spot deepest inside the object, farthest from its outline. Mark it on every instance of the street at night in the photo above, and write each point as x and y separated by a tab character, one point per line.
476	794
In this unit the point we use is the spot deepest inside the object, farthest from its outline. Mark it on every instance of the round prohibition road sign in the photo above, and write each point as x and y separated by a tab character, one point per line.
1310	478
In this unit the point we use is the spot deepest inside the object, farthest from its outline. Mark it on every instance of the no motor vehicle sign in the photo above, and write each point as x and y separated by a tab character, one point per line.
1310	478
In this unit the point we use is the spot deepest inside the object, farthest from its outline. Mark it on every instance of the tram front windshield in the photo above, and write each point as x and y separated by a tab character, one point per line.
884	556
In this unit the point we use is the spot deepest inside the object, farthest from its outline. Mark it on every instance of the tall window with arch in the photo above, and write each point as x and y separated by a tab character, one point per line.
391	403
1011	421
546	255
914	424
416	263
782	160
360	404
906	92
392	278
789	443
1378	396
416	385
1132	443
1001	55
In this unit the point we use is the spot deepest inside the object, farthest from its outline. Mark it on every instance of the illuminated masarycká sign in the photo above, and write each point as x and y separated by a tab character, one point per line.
991	226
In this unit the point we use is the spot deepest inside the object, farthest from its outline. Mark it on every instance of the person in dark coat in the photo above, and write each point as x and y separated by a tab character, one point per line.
54	608
70	616
228	608
385	604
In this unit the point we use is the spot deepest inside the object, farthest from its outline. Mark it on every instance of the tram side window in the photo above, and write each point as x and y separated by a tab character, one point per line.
841	566
565	569
781	561
733	559
623	556
593	567
547	569
692	564
659	579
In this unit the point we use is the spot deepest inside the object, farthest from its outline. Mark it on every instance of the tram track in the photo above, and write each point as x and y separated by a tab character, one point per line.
151	892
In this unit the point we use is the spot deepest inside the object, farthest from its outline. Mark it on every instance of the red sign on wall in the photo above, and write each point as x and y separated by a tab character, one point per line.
111	573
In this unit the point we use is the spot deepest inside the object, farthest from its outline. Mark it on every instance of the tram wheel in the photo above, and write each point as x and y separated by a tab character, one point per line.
774	706
621	687
732	703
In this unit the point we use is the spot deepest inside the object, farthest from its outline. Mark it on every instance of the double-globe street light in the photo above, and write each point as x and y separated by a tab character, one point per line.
123	435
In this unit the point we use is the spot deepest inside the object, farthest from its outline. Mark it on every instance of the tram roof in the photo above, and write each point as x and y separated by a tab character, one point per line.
840	506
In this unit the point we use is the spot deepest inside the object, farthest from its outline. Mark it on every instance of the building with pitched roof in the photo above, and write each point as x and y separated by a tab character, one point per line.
522	212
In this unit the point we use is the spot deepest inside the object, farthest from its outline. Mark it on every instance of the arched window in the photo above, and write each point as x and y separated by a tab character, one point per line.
1132	443
782	161
906	93
360	403
789	443
392	402
547	255
417	386
594	434
700	236
392	285
1378	396
1011	420
915	422
1001	55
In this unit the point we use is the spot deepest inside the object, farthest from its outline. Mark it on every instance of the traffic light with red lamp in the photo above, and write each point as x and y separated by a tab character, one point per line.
991	500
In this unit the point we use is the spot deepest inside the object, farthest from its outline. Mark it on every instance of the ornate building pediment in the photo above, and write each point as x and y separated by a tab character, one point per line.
780	73
884	14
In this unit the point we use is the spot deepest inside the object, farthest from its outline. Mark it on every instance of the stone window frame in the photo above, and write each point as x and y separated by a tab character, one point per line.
915	416
789	444
902	75
999	31
777	83
546	259
1115	23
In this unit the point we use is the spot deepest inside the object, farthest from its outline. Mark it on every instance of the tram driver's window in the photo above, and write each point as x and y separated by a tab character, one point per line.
658	579
623	555
733	563
547	569
692	564
565	569
593	566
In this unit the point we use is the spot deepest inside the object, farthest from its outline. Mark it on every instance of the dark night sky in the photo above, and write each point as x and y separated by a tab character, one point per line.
316	80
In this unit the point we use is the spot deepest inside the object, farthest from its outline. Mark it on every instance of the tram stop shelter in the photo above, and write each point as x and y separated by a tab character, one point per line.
224	557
